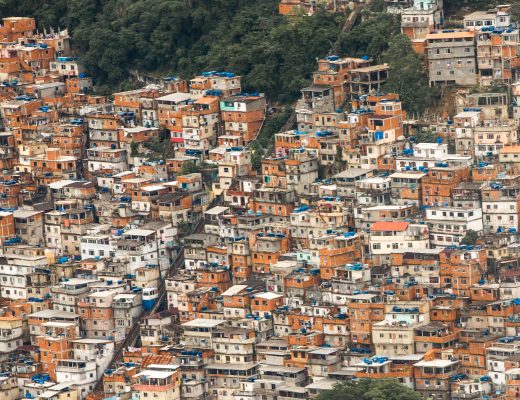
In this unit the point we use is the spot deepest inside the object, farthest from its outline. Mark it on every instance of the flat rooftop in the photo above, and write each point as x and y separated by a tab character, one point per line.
203	323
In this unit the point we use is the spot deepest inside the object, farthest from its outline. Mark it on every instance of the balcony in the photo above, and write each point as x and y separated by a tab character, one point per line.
8	335
195	362
69	290
315	105
513	321
415	24
435	230
438	338
123	304
322	361
37	284
75	367
224	340
394	373
98	136
83	303
106	159
153	388
464	395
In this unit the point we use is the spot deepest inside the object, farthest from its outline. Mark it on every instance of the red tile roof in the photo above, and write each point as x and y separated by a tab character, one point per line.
161	359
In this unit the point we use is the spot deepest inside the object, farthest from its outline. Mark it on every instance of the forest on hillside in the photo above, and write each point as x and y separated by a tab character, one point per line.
274	54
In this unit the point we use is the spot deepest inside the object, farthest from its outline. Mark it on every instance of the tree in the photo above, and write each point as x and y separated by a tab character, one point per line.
274	54
189	168
134	148
154	144
515	12
377	6
184	228
262	144
470	239
370	38
452	148
425	136
380	38
160	148
368	389
407	76
452	6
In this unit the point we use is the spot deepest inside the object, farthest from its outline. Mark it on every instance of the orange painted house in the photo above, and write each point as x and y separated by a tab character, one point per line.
263	304
460	270
438	185
243	115
266	250
339	251
14	28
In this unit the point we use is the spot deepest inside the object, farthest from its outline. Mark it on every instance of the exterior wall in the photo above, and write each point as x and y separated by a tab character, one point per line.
452	62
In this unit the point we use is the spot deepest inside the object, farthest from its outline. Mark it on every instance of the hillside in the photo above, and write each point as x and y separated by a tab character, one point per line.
275	55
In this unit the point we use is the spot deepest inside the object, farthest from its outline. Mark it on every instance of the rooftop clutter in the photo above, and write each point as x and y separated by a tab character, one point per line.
358	250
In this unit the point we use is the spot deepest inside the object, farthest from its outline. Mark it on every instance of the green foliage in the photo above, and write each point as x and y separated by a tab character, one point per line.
155	144
452	6
470	239
189	168
274	54
47	12
380	389
515	12
425	136
160	147
377	6
380	38
256	158
184	228
452	149
134	149
263	143
370	38
498	89
407	76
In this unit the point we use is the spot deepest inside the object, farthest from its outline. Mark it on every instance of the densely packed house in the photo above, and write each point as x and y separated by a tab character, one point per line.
145	256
